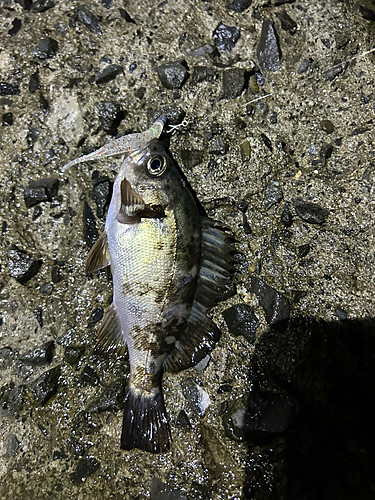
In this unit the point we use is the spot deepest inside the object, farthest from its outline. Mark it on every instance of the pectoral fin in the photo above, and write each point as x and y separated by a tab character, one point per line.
110	336
133	208
98	257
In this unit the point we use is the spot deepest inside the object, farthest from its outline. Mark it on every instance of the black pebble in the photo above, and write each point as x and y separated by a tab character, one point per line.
44	387
191	158
174	114
101	194
96	316
12	399
83	16
25	4
58	455
203	74
13	445
7	119
22	267
108	74
55	274
212	129
38	313
334	71
226	37
111	399
32	136
183	419
42	5
304	66
89	375
273	194
241	320
9	88
34	82
16	26
218	146
326	151
303	250
46	48
90	232
37	212
224	389
268	50
287	22
275	305
40	190
250	110
110	116
126	16
273	117
41	355
327	126
73	354
368	14
266	141
233	83
310	212
86	468
44	104
173	75
239	123
239	5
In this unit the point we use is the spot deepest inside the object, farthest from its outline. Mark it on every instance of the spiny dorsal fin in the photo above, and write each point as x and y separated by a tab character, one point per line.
110	336
98	256
198	340
133	207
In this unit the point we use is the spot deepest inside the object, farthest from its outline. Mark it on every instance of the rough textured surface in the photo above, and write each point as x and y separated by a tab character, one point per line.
61	422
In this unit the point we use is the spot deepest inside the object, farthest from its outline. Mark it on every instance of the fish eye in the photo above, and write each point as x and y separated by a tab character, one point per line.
156	165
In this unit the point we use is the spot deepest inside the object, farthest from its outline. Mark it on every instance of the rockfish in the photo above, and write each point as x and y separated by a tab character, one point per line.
169	266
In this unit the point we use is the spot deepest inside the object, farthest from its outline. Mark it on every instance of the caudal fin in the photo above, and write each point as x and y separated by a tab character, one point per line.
145	424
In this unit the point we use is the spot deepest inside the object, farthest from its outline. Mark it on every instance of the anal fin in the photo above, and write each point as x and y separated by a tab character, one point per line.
98	257
110	336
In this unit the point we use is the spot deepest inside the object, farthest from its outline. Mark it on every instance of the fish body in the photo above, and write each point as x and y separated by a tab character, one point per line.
169	265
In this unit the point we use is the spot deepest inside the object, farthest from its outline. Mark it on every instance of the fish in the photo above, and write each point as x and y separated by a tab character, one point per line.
169	266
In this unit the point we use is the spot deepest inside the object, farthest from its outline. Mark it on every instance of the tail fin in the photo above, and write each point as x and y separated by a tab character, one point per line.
145	424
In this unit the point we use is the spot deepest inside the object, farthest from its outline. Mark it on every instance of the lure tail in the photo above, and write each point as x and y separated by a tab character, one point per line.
145	423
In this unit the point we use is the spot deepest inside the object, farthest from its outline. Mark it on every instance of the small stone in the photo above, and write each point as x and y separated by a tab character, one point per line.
13	445
287	22
239	5
96	316
303	250
273	194
239	123
223	389
111	399
9	88
44	104
16	23
73	354
76	448
140	93
126	16
42	5
327	126
241	320
206	50
32	136
89	375
197	398
41	355
58	455
191	158
260	416
310	212
110	116
40	190
108	74
218	146
174	114
173	75
38	313
183	420
44	387
250	110
46	48
132	67
268	51
22	267
46	288
7	120
233	83
245	151
326	151
55	274
25	4
86	468
273	117
203	74
341	314
226	37
367	13
83	16
90	233
286	215
12	399
275	305
266	141
101	194
336	69
212	129
304	66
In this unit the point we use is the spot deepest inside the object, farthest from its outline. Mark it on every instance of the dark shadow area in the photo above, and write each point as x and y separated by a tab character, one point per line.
328	453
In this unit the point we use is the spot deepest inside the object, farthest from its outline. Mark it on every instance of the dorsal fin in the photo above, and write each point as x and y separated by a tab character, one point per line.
98	257
110	336
201	333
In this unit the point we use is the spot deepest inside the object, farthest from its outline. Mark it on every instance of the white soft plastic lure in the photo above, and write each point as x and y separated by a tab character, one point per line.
124	144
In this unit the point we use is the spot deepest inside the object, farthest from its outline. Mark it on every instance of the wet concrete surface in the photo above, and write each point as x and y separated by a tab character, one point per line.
277	142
